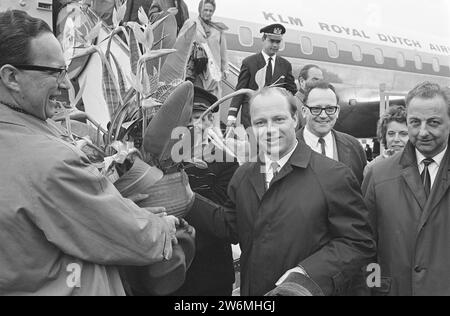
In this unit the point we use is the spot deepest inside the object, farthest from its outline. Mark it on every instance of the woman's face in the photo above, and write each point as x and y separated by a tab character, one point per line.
396	136
207	12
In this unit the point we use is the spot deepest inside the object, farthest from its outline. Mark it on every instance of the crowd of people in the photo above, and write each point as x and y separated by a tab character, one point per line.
309	215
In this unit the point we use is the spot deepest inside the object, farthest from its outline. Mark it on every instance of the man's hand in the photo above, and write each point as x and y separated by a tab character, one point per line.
159	211
172	223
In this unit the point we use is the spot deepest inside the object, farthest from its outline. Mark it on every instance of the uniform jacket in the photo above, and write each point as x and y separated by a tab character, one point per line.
313	215
249	68
350	153
59	218
413	233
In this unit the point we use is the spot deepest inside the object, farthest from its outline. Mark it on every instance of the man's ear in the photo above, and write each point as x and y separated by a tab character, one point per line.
302	83
296	118
8	76
304	109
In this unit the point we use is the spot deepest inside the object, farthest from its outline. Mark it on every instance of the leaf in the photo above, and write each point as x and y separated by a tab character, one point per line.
115	18
134	52
142	70
175	112
165	36
149	38
260	78
138	33
94	33
109	85
143	18
175	65
120	76
121	12
86	52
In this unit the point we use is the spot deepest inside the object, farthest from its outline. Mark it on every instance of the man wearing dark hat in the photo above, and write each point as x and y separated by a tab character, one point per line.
278	71
212	272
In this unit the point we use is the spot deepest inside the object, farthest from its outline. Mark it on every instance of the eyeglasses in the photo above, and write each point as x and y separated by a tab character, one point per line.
62	72
317	111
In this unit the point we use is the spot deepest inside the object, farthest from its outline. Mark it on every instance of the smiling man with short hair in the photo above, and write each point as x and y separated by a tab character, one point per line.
321	111
64	228
296	214
409	197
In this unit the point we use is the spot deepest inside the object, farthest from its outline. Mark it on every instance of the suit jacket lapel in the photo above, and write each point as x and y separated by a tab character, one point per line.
261	62
277	72
411	175
343	149
258	181
300	158
440	188
412	179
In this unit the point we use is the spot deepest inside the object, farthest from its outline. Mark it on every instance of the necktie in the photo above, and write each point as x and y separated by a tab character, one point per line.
426	178
274	166
322	146
269	74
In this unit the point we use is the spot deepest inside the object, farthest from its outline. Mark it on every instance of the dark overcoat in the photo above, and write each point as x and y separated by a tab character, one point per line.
312	215
413	232
350	152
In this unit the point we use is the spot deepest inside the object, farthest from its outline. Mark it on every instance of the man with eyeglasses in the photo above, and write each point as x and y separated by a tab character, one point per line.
321	111
64	228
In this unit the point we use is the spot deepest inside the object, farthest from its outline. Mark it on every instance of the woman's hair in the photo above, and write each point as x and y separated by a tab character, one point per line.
394	114
203	2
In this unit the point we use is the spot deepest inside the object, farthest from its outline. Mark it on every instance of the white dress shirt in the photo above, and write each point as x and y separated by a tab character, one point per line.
432	168
281	163
266	58
313	141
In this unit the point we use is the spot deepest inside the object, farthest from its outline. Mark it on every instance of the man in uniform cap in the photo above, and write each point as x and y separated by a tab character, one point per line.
203	101
212	271
278	71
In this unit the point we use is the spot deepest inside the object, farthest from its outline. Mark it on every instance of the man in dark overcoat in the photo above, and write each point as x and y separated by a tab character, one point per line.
296	214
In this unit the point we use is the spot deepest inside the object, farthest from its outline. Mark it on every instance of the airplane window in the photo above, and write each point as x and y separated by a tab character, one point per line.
418	62
333	50
245	36
306	45
436	65
379	56
401	61
357	53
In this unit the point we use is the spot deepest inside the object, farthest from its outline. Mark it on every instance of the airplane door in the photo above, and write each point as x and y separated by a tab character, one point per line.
37	8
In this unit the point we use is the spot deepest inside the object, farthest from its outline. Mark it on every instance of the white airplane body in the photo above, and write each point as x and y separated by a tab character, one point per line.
357	59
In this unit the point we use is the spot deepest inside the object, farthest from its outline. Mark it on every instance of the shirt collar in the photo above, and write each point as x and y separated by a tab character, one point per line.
312	139
266	57
437	159
281	162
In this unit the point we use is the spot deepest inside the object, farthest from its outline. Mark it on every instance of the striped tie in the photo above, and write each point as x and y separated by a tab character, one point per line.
322	146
